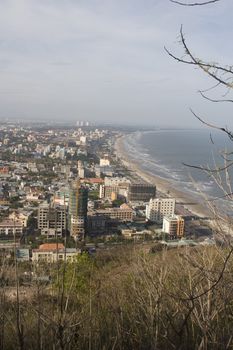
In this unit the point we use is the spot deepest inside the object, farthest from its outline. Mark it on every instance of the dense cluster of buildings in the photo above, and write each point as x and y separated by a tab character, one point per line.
56	183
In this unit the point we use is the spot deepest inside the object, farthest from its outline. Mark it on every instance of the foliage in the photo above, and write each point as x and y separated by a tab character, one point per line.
93	195
77	275
118	202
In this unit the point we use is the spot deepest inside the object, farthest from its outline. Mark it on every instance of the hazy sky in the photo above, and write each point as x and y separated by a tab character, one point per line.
104	60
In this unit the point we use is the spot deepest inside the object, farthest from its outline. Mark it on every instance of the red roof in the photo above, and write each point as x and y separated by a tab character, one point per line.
93	180
51	246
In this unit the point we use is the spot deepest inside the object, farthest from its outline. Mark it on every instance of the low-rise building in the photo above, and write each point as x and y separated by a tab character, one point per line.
106	170
33	197
104	161
21	216
11	228
116	185
122	214
134	234
52	252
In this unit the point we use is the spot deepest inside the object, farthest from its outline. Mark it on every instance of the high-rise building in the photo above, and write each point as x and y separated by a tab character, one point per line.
81	169
52	219
141	192
174	226
78	210
160	207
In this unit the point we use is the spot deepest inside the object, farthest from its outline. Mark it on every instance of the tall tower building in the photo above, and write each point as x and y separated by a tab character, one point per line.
78	210
81	170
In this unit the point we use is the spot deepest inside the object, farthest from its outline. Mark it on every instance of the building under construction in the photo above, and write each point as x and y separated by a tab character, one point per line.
78	210
141	192
52	219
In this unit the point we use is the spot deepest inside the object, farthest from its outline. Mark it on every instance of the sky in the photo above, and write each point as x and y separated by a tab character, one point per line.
104	61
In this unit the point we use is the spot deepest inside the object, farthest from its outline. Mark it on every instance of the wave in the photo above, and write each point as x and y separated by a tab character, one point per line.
149	156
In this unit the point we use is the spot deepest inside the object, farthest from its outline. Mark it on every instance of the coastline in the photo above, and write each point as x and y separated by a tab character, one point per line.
184	200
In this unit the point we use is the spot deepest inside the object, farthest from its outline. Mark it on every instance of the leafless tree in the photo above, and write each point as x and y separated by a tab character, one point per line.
222	76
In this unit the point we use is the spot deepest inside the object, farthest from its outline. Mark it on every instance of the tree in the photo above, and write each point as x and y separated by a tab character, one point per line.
222	76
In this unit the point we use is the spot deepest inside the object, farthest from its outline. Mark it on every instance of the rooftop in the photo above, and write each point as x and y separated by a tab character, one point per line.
51	246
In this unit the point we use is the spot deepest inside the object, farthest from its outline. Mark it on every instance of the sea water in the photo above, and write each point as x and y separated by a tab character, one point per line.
164	153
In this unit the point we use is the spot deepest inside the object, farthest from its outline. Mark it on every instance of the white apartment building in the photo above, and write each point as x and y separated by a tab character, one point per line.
160	207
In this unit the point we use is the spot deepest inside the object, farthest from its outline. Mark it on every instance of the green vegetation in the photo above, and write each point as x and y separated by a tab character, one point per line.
93	195
118	202
15	203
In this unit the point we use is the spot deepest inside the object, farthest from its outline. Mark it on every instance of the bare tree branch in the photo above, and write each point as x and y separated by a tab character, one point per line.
209	170
228	195
215	284
211	139
211	88
194	3
213	100
229	133
214	70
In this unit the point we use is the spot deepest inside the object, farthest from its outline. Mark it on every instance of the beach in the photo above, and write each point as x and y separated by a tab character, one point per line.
185	202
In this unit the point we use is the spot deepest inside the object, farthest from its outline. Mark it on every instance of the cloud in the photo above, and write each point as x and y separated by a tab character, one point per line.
104	59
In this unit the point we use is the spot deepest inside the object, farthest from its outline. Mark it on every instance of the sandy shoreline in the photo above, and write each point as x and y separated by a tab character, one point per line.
196	207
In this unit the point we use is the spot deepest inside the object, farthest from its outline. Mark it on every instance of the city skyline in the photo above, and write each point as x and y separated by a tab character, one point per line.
104	61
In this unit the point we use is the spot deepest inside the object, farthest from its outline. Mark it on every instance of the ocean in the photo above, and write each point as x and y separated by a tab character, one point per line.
164	152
